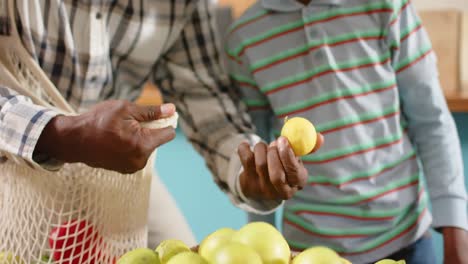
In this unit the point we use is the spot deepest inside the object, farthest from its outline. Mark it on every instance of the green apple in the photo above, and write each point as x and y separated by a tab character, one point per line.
169	248
187	258
140	256
215	240
9	258
318	255
266	240
235	253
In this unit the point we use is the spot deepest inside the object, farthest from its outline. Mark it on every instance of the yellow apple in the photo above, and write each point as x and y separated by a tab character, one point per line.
318	255
215	240
187	258
169	248
9	258
235	253
301	135
345	261
140	256
266	240
390	261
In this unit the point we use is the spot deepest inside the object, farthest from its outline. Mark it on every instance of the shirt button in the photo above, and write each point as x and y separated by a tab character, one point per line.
98	15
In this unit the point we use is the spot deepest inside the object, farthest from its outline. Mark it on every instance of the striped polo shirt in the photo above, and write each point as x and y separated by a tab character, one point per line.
340	63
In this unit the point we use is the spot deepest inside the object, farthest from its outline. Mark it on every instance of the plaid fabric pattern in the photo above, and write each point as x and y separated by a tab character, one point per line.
95	50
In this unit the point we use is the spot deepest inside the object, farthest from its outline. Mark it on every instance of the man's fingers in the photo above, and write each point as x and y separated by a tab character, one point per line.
291	165
153	138
246	156
152	112
319	143
261	165
277	174
248	178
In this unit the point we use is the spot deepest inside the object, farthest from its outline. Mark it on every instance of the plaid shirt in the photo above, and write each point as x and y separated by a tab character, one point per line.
99	50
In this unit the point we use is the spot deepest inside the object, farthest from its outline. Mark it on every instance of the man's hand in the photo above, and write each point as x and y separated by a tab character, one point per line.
272	172
455	245
108	136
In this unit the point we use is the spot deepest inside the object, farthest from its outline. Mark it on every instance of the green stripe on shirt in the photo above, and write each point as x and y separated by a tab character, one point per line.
337	232
359	175
391	186
380	240
316	157
300	23
243	79
255	103
293	52
272	86
241	22
358	198
333	231
398	10
410	60
404	34
357	119
310	102
345	211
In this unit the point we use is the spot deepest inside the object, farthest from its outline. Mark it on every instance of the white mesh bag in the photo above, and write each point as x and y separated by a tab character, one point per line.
77	215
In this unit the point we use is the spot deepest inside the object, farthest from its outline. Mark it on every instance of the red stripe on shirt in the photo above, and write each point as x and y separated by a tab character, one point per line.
384	10
416	29
247	23
322	235
315	48
392	239
334	100
364	178
360	123
325	73
415	182
415	61
399	13
354	153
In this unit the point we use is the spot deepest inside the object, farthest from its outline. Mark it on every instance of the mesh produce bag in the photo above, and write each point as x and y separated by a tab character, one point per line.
78	214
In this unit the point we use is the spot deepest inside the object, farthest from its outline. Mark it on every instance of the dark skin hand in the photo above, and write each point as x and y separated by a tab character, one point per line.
455	245
108	136
272	172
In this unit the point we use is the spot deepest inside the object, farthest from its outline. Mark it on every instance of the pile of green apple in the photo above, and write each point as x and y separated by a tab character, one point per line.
255	243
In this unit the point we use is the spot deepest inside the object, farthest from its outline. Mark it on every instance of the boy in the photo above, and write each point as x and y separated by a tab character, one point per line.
364	72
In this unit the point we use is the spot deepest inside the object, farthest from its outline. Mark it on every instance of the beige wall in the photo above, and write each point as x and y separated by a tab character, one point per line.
438	4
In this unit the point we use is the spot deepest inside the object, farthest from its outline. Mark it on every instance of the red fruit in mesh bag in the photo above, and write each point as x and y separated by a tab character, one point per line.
74	242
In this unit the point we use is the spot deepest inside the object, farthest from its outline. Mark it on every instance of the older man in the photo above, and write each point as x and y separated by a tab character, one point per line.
97	53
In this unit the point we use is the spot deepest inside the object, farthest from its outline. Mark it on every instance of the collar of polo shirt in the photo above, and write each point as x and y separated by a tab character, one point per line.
294	5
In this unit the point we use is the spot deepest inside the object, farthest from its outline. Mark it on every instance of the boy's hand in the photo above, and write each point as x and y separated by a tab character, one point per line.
455	242
108	136
272	172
